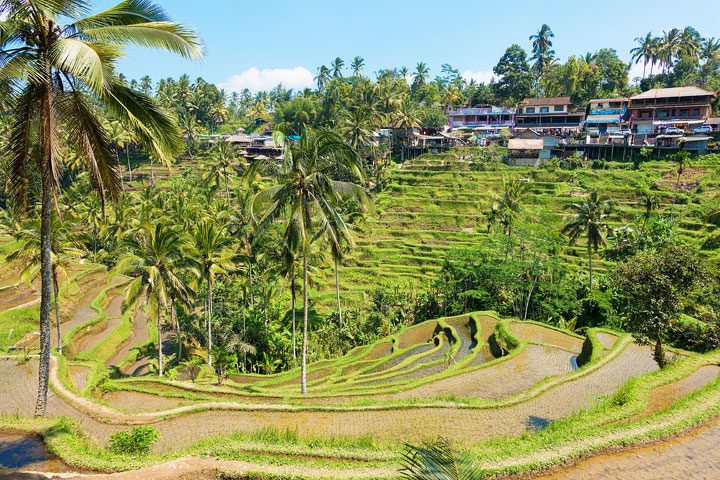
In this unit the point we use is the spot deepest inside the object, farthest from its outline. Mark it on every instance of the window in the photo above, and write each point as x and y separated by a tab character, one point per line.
558	108
529	109
683	113
696	112
662	114
544	109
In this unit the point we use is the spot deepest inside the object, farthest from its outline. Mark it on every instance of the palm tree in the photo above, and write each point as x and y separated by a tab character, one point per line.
589	219
682	159
438	461
421	74
543	54
154	260
649	203
357	65
64	250
307	196
62	72
644	51
507	207
322	77
211	256
337	66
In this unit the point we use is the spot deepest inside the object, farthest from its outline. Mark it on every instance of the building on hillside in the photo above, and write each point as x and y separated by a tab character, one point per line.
482	119
526	152
714	123
695	143
607	115
549	116
657	109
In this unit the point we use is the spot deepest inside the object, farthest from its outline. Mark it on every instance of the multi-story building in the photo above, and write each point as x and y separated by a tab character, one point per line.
683	107
488	118
556	115
607	115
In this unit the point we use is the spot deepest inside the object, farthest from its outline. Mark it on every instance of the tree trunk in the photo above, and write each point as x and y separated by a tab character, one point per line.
337	291
250	286
303	368
45	258
127	156
56	293
659	353
292	306
159	348
176	324
209	314
590	265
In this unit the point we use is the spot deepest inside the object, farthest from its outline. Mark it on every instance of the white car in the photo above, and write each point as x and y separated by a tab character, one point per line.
674	131
625	132
703	129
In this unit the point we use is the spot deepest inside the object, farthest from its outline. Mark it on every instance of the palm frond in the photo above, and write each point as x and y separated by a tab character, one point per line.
169	36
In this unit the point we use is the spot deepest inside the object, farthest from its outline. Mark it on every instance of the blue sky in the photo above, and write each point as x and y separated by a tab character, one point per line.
256	44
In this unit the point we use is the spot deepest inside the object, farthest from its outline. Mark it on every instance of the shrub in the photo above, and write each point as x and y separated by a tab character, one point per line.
135	442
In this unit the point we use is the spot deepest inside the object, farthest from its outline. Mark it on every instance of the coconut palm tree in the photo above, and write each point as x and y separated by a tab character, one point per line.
421	74
306	197
337	67
507	206
64	250
649	202
644	51
357	64
322	77
589	219
210	256
543	54
154	260
438	461
62	61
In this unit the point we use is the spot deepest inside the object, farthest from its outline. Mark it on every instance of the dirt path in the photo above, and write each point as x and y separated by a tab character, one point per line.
694	456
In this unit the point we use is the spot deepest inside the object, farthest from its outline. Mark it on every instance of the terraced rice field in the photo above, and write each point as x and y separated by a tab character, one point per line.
441	372
435	203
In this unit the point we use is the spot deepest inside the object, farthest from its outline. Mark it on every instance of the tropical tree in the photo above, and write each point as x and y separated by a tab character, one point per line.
306	197
211	255
64	249
645	50
543	54
358	63
421	74
322	77
507	207
61	72
438	461
154	260
589	219
649	202
337	67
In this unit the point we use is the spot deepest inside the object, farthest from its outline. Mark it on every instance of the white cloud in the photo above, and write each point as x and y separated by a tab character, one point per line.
256	80
479	77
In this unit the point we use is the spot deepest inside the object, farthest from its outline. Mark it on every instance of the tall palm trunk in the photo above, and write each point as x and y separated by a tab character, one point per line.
590	268
56	292
209	320
160	339
176	324
250	286
292	306
337	292
303	368
45	258
127	156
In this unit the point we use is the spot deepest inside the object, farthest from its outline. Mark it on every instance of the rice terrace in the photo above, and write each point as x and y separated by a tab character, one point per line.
217	264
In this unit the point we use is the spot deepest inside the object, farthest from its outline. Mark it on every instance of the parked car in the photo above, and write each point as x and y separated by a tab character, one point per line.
703	129
674	131
625	132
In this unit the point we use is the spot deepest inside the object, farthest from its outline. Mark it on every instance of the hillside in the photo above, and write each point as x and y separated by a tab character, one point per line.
435	203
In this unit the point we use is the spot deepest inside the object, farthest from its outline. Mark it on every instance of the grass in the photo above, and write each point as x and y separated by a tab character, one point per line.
427	209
